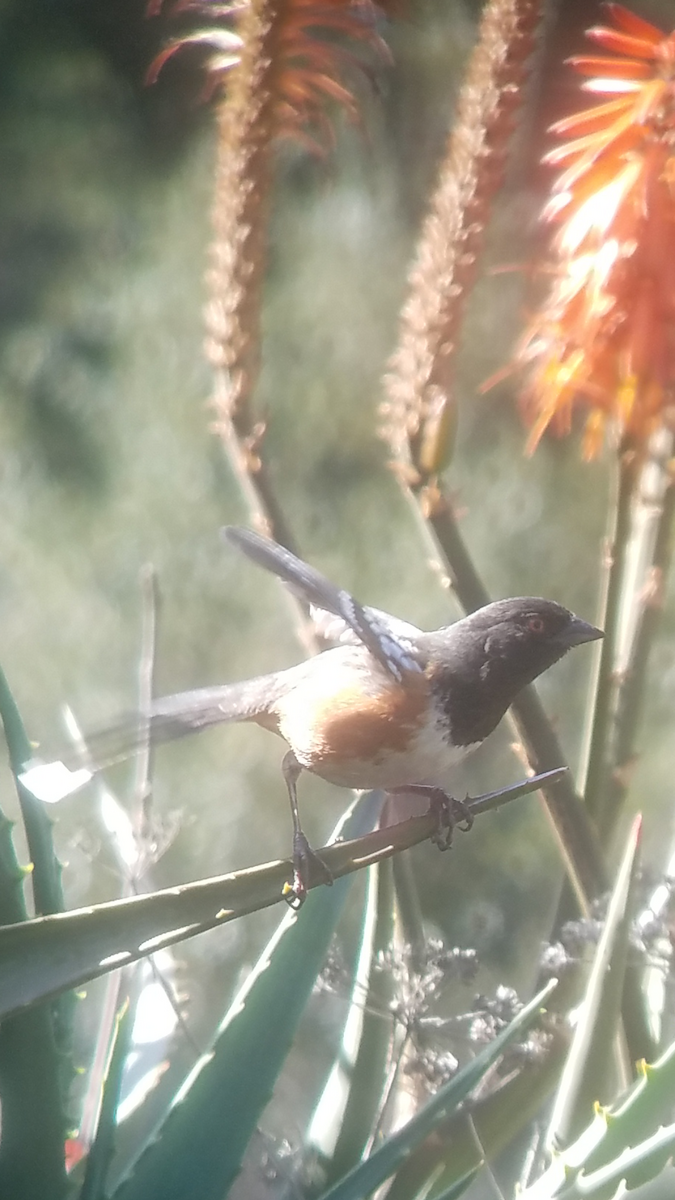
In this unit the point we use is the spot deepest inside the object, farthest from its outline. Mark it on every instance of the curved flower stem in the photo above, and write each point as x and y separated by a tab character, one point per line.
593	775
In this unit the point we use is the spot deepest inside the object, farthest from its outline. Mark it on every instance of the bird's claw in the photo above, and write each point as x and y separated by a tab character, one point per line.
306	862
450	814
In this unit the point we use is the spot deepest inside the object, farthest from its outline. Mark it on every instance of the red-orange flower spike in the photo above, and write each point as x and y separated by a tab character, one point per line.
604	340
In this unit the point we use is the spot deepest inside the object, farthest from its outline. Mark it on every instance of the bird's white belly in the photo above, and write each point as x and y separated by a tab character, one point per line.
349	723
429	759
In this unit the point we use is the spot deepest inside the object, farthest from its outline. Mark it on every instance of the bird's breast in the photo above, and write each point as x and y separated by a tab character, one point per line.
355	727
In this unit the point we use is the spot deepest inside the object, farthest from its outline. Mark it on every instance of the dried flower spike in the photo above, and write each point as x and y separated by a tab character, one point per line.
316	51
604	339
420	410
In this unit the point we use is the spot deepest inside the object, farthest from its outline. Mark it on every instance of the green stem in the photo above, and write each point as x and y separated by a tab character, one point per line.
632	688
593	778
46	874
574	833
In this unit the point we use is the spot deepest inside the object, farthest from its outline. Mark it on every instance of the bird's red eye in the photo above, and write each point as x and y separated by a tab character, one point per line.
536	625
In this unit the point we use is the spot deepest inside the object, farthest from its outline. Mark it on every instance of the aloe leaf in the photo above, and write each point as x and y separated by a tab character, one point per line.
43	957
464	1139
348	1108
98	1161
200	1146
12	876
585	1073
635	1122
634	1166
640	1114
32	1165
367	1176
458	1189
39	958
46	873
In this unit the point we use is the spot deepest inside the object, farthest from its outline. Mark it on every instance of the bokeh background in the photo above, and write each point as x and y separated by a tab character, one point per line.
107	461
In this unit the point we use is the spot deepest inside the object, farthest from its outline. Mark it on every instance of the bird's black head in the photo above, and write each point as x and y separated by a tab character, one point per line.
479	664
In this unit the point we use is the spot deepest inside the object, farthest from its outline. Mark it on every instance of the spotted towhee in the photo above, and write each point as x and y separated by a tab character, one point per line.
387	707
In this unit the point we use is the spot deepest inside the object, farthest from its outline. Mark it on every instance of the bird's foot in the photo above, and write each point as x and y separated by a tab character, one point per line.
308	866
450	813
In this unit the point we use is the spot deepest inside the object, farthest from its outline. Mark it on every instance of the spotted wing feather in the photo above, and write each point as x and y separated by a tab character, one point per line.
394	652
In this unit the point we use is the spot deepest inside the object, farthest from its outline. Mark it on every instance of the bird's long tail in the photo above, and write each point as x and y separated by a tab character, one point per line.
170	717
189	712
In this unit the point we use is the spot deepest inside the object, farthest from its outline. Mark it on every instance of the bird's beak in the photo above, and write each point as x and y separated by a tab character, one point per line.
576	632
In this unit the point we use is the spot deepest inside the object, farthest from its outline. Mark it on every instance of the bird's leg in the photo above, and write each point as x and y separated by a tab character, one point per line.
448	811
304	858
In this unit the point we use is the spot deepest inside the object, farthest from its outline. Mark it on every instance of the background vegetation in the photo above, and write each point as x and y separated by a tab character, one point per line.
108	464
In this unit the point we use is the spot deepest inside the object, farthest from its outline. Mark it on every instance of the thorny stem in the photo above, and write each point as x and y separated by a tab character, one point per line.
593	777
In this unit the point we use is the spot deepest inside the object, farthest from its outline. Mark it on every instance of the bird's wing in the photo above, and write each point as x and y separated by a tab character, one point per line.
391	642
336	630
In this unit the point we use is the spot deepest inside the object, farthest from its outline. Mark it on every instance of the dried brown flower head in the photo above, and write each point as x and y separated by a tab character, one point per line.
316	54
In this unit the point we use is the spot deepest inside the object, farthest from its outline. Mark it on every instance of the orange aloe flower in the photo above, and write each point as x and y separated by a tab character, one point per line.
313	62
604	340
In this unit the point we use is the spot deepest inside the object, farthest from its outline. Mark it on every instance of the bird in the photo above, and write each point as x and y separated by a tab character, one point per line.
387	706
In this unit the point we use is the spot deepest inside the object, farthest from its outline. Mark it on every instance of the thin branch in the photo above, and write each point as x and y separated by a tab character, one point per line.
142	789
592	784
574	833
633	677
